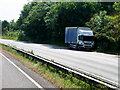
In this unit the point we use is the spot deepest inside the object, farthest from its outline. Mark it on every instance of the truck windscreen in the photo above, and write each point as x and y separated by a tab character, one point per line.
88	38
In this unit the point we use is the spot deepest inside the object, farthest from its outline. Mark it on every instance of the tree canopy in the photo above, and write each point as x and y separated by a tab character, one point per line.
45	22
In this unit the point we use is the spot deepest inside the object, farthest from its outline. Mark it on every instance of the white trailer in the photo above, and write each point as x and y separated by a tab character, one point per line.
79	37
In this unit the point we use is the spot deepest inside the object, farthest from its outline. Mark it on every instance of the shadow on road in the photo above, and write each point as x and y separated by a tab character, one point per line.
54	46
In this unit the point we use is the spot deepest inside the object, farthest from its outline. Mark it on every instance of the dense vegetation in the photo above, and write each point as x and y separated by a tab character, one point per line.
107	29
45	22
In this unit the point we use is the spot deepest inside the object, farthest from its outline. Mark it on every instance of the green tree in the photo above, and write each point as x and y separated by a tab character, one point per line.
5	26
68	14
24	14
116	6
106	29
34	24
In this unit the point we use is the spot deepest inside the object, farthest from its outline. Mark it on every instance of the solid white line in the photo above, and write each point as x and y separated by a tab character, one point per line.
33	81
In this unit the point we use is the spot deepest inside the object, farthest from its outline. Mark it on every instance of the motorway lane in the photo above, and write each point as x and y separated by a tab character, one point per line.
16	75
103	65
0	71
13	78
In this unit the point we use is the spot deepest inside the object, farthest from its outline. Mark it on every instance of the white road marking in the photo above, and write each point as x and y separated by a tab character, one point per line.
33	81
0	72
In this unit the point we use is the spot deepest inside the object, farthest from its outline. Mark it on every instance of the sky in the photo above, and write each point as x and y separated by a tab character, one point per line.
11	9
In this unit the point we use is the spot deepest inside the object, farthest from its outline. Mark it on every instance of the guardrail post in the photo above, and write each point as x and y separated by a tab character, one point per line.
62	70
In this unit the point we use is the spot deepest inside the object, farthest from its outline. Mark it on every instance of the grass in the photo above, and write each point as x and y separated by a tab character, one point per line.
58	78
30	51
9	37
114	52
12	35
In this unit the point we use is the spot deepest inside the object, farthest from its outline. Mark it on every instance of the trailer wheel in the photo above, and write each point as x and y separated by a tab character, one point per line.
69	47
90	50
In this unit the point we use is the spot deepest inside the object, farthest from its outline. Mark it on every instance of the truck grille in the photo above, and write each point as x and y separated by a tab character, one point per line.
87	46
87	43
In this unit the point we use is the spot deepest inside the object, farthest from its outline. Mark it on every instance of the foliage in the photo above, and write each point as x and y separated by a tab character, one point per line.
35	28
24	13
45	22
106	29
117	6
14	35
107	6
67	14
5	26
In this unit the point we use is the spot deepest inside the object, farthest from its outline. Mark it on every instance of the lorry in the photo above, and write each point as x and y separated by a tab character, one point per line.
79	38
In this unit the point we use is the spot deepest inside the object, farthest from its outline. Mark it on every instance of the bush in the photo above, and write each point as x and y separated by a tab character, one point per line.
107	31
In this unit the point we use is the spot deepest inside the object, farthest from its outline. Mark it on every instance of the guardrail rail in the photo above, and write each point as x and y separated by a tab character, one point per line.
92	80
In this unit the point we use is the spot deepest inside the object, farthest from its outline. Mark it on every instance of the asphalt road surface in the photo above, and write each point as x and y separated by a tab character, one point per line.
0	71
15	75
103	65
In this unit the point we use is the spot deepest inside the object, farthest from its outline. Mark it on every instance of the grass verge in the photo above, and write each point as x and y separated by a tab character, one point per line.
61	80
109	52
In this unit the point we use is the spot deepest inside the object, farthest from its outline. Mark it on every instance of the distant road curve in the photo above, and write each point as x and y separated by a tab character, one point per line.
100	64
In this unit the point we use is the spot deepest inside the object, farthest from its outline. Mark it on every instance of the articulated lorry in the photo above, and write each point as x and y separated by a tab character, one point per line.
79	37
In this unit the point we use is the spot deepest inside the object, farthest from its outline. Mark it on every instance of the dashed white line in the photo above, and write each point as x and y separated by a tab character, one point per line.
33	81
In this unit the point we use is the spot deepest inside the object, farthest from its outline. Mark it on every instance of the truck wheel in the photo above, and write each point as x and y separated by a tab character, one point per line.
78	47
90	50
69	47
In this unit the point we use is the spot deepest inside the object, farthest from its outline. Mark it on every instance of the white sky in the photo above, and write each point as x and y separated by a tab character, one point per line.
10	9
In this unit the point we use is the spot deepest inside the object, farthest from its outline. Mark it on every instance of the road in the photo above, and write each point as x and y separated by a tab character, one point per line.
15	75
0	71
100	64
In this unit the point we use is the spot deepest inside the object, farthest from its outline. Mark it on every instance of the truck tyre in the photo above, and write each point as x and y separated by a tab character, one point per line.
90	50
77	47
69	47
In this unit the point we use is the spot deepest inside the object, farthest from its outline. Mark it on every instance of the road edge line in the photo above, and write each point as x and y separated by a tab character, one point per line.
25	74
